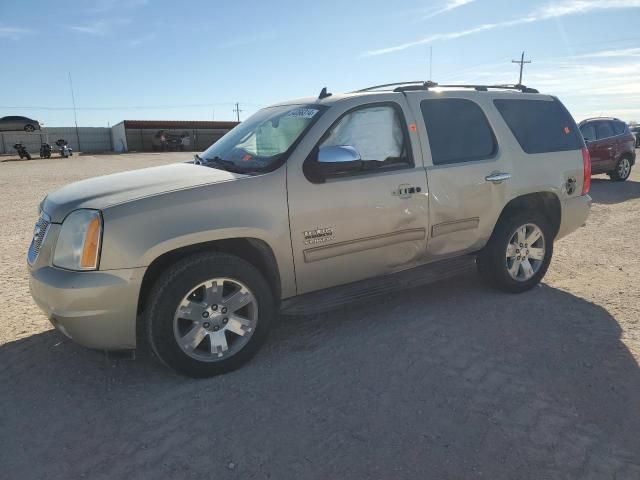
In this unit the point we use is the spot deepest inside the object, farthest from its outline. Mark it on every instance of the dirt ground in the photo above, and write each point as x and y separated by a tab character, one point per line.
452	381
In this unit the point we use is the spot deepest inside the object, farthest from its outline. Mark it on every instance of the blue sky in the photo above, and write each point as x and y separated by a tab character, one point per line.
156	59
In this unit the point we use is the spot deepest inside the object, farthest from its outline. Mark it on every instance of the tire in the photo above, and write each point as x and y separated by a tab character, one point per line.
622	171
28	155
494	260
180	289
29	128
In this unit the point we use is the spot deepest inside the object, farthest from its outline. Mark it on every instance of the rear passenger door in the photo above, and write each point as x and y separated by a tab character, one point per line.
468	174
605	145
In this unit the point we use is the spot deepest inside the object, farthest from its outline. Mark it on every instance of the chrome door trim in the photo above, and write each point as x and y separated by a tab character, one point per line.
361	244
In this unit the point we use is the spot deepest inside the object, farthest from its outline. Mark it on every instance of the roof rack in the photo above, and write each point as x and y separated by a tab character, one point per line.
422	85
385	85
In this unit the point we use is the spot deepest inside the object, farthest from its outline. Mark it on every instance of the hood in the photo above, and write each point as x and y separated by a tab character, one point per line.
102	192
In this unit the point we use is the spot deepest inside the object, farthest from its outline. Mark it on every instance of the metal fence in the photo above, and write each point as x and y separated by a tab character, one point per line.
193	139
90	139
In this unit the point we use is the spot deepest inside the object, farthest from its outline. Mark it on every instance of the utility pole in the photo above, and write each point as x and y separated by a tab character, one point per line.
522	61
430	62
75	116
237	110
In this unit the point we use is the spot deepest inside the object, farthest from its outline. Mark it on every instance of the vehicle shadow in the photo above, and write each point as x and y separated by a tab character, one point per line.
445	381
606	191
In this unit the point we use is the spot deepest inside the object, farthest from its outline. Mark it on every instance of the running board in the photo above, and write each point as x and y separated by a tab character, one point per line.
336	297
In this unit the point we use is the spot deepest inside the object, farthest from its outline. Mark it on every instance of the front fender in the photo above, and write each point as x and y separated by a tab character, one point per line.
138	232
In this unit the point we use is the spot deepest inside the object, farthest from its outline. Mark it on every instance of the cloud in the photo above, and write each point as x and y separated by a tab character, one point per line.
625	52
593	84
102	6
551	10
135	42
99	28
450	5
248	39
13	32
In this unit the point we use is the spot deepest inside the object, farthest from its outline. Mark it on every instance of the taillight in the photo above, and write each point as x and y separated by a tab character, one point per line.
586	168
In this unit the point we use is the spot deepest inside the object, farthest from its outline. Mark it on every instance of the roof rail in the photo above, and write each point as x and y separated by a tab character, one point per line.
479	88
422	85
378	87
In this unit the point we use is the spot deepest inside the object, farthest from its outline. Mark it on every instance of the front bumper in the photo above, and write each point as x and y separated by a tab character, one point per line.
95	309
575	211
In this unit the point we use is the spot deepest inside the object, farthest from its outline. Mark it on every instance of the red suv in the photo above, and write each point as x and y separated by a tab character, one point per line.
611	145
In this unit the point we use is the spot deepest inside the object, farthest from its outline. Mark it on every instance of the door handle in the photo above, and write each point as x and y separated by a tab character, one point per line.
498	177
405	191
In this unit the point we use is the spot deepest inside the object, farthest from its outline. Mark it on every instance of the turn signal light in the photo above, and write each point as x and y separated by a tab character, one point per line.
89	257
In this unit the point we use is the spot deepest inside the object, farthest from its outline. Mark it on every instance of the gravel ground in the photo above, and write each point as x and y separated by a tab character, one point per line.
450	381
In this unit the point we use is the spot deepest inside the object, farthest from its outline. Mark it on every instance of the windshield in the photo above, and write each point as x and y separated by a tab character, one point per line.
260	142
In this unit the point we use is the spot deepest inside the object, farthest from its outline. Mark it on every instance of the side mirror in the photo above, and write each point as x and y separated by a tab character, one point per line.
332	161
338	160
338	154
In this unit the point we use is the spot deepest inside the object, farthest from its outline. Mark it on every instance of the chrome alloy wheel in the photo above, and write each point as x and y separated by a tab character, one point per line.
215	320
624	167
525	252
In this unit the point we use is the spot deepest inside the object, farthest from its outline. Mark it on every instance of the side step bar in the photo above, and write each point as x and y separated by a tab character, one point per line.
336	297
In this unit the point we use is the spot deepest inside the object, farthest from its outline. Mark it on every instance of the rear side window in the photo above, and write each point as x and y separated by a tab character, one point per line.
540	126
619	128
604	130
458	131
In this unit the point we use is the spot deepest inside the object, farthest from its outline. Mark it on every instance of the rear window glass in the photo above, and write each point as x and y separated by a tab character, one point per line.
458	131
540	126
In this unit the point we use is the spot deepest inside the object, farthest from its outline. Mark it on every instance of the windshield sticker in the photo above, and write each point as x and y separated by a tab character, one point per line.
302	113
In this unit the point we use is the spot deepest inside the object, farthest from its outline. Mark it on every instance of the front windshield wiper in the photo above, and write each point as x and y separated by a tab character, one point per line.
222	164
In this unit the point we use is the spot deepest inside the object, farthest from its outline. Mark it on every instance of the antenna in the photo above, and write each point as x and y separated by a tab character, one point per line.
324	93
431	62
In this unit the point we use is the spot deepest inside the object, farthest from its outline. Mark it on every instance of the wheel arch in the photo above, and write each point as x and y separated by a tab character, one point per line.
546	203
255	251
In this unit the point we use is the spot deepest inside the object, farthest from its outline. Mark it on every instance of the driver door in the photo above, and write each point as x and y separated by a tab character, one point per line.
367	220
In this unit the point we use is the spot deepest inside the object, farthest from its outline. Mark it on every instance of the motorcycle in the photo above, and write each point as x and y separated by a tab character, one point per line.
63	148
22	151
45	150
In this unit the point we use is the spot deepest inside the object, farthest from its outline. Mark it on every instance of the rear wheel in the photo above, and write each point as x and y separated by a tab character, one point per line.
209	314
622	171
518	253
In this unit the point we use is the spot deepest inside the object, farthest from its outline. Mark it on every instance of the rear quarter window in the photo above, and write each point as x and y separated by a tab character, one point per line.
619	128
540	126
458	131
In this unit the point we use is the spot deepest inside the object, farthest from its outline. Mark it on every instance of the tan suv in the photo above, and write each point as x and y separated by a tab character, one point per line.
305	206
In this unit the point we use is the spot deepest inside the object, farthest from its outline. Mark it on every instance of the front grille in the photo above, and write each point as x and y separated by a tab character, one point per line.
39	233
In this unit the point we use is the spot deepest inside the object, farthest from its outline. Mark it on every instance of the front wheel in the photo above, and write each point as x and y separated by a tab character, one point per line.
518	253
622	171
29	128
209	314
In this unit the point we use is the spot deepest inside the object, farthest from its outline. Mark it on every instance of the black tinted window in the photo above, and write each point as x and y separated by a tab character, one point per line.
604	130
540	126
458	131
588	131
619	128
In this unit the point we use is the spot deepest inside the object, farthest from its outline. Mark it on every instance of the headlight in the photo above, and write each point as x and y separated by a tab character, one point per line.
78	245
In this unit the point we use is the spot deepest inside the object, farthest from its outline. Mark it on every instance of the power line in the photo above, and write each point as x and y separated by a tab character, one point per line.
127	107
522	61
